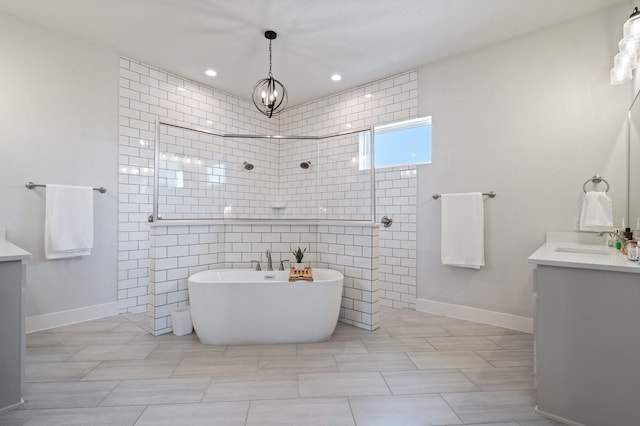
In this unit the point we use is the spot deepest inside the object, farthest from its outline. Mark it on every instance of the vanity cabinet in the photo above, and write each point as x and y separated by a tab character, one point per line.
587	333
12	311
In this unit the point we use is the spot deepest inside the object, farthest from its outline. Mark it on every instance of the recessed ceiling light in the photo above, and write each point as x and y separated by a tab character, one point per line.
336	77
211	73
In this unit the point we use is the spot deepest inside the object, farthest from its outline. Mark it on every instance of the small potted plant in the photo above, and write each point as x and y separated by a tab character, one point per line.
299	254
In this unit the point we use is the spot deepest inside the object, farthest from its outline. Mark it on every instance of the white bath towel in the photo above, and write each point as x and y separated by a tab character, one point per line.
597	212
463	230
68	229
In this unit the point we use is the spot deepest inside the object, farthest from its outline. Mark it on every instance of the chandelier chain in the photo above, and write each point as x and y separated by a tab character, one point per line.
270	75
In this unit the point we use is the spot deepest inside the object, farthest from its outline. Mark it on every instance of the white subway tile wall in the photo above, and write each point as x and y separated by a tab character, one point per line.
203	176
147	94
385	101
332	187
396	197
178	251
276	181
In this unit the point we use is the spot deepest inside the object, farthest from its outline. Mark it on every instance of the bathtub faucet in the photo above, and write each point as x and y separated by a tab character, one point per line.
269	262
257	262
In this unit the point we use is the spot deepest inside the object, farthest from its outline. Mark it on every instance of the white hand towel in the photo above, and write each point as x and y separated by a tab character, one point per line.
463	230
597	212
68	229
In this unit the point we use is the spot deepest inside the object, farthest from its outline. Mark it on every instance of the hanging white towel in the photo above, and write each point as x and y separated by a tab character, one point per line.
463	230
68	226
597	212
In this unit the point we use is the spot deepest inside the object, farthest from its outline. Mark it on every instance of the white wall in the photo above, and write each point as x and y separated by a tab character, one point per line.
59	109
531	118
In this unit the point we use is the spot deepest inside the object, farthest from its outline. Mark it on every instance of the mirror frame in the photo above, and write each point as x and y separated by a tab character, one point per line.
633	168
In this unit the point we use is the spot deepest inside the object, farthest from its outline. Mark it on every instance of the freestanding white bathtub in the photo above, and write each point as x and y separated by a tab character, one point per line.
246	306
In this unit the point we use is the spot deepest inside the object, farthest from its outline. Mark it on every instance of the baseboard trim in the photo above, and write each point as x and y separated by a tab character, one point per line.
72	316
512	322
12	406
557	418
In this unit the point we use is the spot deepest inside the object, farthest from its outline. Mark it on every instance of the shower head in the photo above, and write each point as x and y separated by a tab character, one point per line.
247	166
305	165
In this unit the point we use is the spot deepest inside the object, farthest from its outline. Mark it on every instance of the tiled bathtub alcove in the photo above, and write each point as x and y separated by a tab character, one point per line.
181	248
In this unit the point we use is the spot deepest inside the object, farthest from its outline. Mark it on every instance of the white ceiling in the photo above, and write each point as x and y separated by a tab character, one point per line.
364	40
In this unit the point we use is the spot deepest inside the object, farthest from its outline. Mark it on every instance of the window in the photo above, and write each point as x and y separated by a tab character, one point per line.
398	144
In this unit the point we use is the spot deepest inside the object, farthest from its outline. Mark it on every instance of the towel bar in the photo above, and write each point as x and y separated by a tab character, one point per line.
490	194
32	185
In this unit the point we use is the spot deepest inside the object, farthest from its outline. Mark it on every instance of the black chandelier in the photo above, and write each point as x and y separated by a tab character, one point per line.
269	95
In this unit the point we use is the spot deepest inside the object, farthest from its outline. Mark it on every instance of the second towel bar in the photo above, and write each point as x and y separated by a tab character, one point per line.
490	194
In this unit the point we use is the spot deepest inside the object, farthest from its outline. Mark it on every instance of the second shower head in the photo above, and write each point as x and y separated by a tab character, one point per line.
247	166
305	165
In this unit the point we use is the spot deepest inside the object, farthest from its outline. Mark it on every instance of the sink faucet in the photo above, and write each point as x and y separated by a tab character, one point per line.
622	239
269	262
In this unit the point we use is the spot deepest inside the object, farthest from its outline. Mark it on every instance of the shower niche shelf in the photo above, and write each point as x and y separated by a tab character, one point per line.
278	206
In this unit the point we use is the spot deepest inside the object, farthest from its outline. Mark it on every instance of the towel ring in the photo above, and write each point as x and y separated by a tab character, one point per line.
596	180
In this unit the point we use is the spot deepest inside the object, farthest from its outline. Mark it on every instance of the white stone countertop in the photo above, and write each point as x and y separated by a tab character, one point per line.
10	252
584	251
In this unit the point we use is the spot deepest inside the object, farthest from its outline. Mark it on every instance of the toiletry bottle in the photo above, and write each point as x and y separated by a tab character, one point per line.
617	242
636	232
632	250
628	234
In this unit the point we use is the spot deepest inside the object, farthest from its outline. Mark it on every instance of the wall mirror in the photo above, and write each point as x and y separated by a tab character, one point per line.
634	162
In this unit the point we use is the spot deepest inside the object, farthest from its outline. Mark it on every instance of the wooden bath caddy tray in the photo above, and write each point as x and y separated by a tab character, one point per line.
304	274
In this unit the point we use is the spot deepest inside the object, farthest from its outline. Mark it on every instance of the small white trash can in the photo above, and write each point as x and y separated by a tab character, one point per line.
181	321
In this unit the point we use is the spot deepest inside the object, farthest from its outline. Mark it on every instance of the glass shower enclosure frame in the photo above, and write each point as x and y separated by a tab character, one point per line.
337	170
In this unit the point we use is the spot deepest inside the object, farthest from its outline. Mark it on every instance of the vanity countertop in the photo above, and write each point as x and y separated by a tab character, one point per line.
10	252
572	250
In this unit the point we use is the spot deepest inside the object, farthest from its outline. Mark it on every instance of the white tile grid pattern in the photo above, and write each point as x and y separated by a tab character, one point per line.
147	93
179	251
385	101
176	253
202	176
332	187
396	197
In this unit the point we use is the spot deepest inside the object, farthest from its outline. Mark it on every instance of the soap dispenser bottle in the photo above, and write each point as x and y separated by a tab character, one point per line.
636	232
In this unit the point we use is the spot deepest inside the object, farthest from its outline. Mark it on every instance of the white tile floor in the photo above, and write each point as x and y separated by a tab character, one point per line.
417	369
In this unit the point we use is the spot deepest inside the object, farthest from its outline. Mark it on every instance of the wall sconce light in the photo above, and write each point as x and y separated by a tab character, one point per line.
269	95
627	58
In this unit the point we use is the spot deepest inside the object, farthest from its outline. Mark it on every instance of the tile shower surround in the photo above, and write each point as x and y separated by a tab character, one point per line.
180	251
147	93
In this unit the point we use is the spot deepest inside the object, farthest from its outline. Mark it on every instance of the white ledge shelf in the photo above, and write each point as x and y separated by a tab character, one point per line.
292	222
